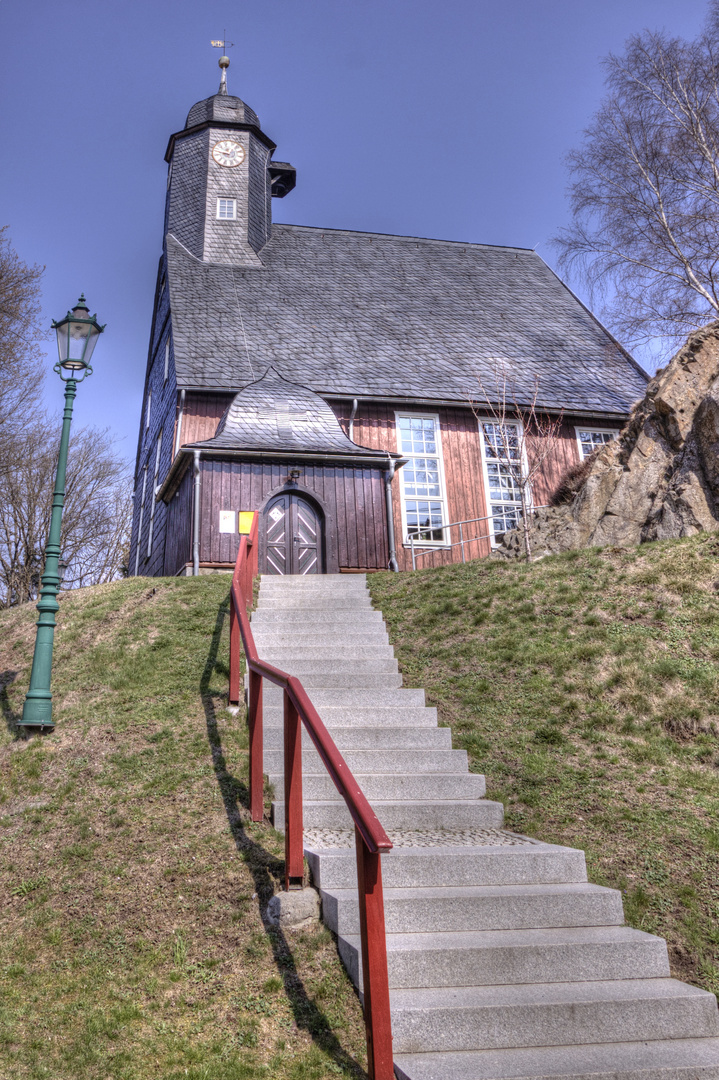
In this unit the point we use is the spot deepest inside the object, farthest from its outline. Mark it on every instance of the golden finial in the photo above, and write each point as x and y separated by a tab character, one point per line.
224	60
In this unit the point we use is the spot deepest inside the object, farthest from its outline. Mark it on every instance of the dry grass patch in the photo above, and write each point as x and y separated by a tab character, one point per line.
132	944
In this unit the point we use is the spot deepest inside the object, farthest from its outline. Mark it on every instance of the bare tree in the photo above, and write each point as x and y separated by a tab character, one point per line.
96	517
645	188
518	439
21	358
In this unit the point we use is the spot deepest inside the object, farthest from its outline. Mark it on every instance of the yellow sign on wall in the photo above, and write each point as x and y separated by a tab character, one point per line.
244	522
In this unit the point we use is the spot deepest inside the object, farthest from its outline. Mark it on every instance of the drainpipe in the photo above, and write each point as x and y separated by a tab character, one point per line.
389	476
179	422
352	417
196	516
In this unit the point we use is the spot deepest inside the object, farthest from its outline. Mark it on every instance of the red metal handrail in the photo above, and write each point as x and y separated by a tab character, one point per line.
370	838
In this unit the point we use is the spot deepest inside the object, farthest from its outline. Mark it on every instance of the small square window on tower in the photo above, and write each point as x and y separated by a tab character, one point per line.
226	209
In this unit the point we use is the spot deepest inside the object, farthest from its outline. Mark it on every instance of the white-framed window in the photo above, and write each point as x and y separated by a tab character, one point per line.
589	439
167	358
424	501
226	209
155	489
502	460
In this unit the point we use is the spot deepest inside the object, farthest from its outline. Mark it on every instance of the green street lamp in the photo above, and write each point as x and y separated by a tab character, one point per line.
77	336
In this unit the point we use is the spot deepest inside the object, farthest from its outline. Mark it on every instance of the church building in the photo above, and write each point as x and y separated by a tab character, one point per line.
328	380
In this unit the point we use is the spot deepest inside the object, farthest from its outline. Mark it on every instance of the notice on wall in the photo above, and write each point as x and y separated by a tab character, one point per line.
245	522
227	521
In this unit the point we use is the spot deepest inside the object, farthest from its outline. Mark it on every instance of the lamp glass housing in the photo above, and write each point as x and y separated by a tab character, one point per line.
77	336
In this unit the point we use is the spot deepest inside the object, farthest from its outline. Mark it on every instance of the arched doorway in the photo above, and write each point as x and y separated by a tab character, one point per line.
293	536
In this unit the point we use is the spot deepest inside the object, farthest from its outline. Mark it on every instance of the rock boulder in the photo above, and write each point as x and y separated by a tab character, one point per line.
660	478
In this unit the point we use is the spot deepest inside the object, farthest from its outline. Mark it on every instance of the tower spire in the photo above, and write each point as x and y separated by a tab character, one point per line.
224	61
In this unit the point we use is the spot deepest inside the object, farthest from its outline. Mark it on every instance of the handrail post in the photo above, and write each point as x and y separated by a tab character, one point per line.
294	845
411	540
461	540
257	804
375	978
233	696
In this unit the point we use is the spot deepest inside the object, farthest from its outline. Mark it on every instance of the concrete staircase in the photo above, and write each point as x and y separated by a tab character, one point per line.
504	962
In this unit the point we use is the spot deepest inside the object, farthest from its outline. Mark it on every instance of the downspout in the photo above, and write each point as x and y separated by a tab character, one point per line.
389	476
350	428
179	422
196	516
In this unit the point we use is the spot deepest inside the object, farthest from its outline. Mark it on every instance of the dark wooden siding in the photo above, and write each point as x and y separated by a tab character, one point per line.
178	544
352	497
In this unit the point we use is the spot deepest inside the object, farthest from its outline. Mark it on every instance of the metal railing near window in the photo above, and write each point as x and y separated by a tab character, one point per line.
370	838
464	542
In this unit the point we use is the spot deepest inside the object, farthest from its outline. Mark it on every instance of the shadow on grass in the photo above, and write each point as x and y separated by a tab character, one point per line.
11	718
267	871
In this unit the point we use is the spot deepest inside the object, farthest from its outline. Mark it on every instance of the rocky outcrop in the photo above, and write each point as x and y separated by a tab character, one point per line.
660	478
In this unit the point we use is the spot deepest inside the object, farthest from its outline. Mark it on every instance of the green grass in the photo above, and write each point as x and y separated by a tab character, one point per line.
131	942
586	688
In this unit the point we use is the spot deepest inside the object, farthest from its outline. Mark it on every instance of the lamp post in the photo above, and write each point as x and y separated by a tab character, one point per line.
77	336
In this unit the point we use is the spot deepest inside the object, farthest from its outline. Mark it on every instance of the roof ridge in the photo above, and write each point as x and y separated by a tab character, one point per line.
400	236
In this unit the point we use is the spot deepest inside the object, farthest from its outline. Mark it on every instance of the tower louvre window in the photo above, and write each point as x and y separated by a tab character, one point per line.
227	209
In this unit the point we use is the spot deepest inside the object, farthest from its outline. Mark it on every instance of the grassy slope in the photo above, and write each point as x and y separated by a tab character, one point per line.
131	944
586	687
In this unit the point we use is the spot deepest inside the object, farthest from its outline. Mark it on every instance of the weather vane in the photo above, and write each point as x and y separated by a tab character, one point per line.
224	60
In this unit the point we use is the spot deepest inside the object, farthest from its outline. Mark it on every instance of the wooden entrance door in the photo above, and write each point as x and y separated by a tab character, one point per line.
293	531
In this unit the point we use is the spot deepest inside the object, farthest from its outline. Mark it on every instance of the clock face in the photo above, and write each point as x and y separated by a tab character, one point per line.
228	153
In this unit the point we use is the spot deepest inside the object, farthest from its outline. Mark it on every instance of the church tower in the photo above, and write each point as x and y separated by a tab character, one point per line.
221	181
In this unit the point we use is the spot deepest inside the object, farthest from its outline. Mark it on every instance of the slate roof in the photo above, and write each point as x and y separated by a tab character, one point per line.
272	414
221	107
363	314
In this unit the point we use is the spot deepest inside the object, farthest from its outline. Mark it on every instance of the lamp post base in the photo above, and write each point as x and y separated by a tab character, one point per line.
37	710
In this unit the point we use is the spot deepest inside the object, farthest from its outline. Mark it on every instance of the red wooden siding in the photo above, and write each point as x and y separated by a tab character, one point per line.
374	426
202	414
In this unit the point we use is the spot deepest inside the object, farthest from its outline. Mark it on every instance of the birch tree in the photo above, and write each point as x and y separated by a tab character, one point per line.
645	188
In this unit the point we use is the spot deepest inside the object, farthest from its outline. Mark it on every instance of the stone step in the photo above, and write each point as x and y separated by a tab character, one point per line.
360	737
315	602
449	814
668	1059
341	653
361	762
385	787
339	680
349	697
497	863
273	591
498	957
553	1014
287	582
331	668
352	618
271	639
360	717
480	907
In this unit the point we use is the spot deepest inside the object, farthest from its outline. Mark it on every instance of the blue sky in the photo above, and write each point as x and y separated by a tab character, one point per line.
443	119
